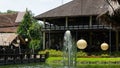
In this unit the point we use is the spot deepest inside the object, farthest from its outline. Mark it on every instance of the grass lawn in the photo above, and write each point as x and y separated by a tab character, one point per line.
58	60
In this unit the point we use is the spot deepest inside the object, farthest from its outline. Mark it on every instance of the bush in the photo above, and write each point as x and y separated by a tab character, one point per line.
115	54
34	44
57	53
105	55
52	53
81	54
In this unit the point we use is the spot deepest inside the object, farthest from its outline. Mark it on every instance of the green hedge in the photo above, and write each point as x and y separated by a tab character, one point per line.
81	54
52	53
58	53
58	60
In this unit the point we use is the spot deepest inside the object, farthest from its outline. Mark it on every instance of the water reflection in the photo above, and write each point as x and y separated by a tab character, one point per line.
39	65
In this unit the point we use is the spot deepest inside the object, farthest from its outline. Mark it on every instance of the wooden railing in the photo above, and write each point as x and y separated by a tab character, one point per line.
16	58
76	27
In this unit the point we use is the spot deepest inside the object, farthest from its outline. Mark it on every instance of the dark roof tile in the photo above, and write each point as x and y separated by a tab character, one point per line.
76	8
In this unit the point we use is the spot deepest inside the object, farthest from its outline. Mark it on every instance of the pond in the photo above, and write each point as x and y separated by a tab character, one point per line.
42	65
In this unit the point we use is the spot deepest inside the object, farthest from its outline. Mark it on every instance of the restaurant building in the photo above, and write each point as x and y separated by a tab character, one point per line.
80	17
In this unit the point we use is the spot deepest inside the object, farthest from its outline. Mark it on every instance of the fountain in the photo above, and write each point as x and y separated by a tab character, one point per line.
69	51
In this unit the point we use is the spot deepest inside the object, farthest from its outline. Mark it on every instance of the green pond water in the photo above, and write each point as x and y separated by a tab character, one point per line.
39	65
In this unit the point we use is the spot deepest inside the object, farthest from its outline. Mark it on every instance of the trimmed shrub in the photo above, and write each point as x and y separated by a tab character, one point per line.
81	54
105	55
52	53
57	53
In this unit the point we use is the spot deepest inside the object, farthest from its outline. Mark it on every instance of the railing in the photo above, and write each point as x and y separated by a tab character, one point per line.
11	57
76	27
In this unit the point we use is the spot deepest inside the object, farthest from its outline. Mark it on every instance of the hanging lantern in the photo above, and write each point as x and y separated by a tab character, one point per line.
81	44
104	46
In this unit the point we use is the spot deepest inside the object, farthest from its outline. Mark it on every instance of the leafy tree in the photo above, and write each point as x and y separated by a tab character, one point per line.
26	23
35	30
36	35
31	29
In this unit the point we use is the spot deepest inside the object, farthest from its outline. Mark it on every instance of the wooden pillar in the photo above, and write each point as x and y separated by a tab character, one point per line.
117	41
110	38
90	38
90	21
49	39
66	21
90	34
76	37
44	35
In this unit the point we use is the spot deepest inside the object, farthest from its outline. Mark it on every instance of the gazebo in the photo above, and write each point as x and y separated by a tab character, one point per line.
9	23
78	16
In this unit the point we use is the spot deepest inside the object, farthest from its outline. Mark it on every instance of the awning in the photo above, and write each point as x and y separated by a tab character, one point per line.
7	38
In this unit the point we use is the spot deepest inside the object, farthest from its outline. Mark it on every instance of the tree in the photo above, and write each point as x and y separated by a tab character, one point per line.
111	16
36	35
11	11
26	23
8	11
31	29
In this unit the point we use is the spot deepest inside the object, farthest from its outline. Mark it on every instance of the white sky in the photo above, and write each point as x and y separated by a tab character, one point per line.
36	6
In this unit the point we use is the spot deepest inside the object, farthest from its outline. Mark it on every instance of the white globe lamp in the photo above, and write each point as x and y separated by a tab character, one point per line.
81	44
26	39
18	41
104	46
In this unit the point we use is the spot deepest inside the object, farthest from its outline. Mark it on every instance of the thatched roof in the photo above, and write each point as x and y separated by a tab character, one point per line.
9	22
7	19
76	8
19	17
7	38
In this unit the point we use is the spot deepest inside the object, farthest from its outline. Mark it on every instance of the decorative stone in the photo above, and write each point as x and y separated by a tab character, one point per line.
81	44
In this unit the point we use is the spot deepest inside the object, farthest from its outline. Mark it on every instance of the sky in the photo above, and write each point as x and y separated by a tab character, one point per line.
36	6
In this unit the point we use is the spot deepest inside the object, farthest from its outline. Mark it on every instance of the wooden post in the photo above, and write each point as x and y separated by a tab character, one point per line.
44	35
49	39
90	38
66	21
90	21
117	41
90	34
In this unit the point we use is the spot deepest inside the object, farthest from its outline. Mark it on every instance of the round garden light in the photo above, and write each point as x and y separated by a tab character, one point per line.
26	39
18	41
81	44
104	46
